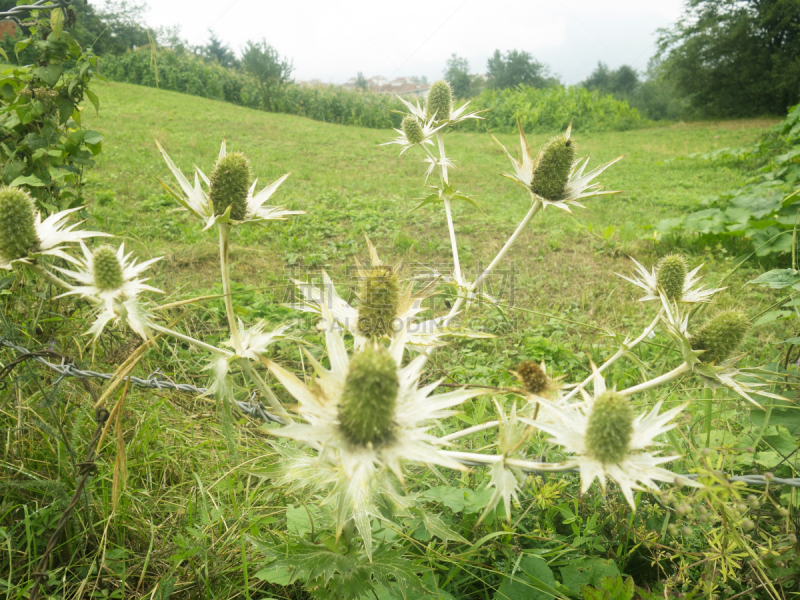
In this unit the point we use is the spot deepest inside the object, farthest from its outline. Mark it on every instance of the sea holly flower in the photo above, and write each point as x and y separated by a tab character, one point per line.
439	107
255	339
24	236
553	176
364	416
608	440
385	307
506	479
721	335
109	277
414	131
227	201
669	277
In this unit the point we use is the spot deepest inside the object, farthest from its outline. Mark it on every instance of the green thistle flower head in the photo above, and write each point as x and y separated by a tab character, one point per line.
379	295
608	435
439	101
230	182
721	335
17	224
671	275
552	172
412	129
534	379
366	411
107	271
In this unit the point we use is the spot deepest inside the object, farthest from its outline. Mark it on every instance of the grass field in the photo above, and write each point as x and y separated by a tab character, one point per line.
191	499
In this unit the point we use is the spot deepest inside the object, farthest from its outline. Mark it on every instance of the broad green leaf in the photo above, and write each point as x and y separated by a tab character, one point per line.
533	580
436	526
57	21
3	54
587	572
777	278
49	74
771	316
31	180
93	99
297	520
92	137
784	413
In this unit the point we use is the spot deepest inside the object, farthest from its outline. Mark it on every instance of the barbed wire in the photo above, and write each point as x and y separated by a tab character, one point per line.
18	12
254	409
251	407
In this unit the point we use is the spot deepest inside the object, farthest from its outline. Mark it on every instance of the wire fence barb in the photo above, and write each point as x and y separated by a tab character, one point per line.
254	409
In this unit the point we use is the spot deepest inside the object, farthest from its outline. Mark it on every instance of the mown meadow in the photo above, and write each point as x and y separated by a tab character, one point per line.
178	506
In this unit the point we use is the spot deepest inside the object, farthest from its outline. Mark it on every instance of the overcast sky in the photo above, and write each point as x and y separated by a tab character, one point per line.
332	40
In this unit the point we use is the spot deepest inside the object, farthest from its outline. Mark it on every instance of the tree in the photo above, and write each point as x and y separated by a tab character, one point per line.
361	82
622	83
216	51
517	67
735	58
457	73
265	65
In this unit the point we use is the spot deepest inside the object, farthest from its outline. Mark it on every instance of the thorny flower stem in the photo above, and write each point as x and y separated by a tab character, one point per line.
665	378
45	274
191	340
470	431
620	353
489	459
537	206
225	267
264	389
456	263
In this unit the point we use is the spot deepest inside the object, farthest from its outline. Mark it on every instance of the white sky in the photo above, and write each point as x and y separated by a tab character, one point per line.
332	40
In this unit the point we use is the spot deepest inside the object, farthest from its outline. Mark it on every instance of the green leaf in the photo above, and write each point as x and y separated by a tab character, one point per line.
772	315
92	137
610	588
3	54
436	526
31	180
587	572
297	520
777	278
783	413
93	99
49	74
57	21
533	580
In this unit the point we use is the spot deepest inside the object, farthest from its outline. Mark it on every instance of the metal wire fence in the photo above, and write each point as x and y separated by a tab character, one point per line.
254	409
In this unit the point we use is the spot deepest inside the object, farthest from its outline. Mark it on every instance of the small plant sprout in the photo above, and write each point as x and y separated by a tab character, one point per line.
365	415
108	277
670	277
24	237
607	440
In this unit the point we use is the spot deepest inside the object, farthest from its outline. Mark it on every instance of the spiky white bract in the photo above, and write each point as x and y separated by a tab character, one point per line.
428	130
456	114
578	186
255	340
638	470
648	281
419	334
505	479
196	200
53	233
114	304
354	475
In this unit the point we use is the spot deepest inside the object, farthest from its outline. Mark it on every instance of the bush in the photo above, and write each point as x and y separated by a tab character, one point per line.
761	214
552	109
186	73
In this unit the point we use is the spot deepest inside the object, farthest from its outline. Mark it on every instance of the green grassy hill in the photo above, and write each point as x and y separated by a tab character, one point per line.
350	186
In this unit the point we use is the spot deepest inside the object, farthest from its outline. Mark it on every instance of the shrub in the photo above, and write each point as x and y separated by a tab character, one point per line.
552	109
